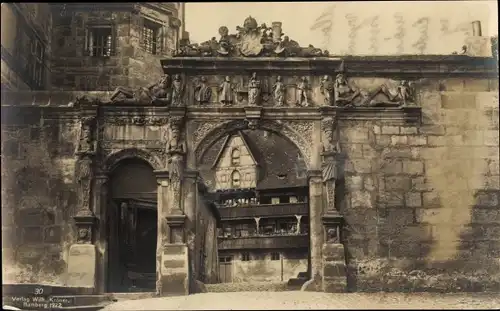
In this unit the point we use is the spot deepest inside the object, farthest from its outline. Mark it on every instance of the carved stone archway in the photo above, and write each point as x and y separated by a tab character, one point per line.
101	195
112	160
299	133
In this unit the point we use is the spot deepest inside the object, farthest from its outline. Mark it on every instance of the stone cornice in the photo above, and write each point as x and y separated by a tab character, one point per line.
32	114
407	67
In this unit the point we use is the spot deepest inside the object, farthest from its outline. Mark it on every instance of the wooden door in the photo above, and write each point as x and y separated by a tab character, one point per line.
225	269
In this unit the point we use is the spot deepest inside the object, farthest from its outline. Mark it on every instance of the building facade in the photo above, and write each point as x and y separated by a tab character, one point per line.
262	199
401	158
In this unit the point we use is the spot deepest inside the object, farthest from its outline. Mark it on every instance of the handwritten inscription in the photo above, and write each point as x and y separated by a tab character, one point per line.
400	32
325	24
371	25
422	24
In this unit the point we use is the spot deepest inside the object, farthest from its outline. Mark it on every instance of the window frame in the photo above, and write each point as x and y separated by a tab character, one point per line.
233	174
245	256
157	36
235	157
89	38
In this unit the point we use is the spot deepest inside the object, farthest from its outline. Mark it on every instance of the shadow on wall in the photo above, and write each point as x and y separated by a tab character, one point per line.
38	200
421	203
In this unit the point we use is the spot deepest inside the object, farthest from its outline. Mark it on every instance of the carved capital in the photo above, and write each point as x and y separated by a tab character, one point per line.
162	177
313	175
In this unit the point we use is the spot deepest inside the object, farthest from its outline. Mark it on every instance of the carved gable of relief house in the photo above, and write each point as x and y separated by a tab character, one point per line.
235	166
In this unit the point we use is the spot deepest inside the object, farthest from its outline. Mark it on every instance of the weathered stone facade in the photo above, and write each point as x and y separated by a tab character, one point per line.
402	158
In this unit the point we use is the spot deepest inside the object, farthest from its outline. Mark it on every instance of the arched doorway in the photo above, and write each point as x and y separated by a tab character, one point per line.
132	227
260	187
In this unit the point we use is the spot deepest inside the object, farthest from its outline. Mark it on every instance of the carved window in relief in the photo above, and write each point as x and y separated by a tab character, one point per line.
235	179
100	40
151	37
235	157
245	256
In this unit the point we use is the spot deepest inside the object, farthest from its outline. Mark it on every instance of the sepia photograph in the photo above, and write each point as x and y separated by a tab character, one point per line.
250	155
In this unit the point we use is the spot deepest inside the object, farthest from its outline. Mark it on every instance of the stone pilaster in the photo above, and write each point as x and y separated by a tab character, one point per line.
101	239
82	258
315	230
190	182
172	268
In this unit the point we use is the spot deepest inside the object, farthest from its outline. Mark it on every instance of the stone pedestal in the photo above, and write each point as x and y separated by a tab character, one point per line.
82	261
334	265
334	268
174	270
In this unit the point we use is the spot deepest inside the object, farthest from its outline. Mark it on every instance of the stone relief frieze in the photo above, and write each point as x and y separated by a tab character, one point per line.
251	40
202	91
346	94
136	120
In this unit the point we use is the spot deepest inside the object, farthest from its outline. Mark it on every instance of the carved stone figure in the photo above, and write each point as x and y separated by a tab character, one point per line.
224	43
254	91
86	141
329	141
279	92
84	178
158	92
177	91
327	89
331	235
344	93
176	149
226	92
175	144
203	92
398	96
302	88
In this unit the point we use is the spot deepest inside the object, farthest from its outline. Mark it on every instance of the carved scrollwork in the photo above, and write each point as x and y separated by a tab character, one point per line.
156	121
112	159
201	129
251	40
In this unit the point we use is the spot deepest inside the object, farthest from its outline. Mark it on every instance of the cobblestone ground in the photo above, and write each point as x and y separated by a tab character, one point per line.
295	300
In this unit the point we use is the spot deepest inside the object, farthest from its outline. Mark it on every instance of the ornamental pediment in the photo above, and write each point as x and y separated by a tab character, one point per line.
251	40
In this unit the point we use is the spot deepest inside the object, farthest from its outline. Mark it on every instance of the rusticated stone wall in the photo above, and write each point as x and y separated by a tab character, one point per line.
38	199
422	201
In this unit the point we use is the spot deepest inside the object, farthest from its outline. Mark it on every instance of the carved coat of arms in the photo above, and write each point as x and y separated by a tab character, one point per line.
250	36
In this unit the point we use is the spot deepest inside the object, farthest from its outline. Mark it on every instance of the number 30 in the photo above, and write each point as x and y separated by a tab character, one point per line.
38	291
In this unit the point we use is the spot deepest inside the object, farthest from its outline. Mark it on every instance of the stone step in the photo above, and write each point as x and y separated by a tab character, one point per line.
247	287
131	296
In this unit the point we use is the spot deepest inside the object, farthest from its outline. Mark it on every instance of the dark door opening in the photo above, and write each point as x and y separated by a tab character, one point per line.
133	236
